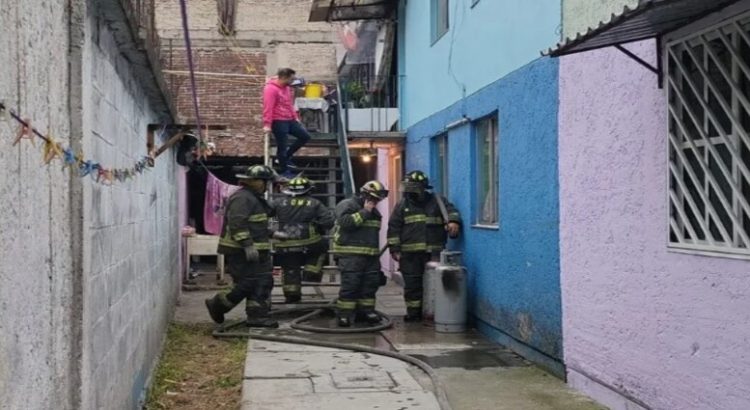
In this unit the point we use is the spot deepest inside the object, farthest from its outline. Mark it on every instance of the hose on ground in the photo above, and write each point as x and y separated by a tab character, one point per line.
440	393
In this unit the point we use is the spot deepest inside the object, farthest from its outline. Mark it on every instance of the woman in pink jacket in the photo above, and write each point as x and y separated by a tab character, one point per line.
280	118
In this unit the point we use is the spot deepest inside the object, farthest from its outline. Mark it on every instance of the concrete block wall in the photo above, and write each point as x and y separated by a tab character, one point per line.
131	232
36	253
88	272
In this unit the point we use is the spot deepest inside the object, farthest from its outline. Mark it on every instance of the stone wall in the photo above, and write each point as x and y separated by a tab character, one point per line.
37	337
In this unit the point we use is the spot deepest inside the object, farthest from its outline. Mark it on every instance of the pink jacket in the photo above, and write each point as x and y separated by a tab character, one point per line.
278	102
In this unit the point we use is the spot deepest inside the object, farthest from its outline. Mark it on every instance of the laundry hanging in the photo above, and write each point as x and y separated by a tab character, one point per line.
217	194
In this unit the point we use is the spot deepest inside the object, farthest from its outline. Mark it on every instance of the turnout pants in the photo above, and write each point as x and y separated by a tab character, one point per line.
360	280
304	265
412	268
253	282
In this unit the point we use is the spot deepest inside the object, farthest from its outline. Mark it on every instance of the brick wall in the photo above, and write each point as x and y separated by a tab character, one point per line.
230	102
270	34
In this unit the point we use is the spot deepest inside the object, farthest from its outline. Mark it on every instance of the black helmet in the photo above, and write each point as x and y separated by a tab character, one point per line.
258	172
415	181
374	189
297	186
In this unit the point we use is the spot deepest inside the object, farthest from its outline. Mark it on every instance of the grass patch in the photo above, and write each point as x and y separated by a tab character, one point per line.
198	372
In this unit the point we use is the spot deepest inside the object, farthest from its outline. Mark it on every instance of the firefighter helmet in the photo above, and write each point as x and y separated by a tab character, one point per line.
297	186
415	181
258	172
374	189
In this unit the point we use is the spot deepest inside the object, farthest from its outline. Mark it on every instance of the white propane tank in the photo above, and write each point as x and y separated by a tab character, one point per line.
428	291
450	284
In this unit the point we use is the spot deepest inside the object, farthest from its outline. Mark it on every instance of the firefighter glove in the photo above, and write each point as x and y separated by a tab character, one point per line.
251	254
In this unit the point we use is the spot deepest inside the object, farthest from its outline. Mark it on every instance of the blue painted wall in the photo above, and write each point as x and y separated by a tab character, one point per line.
514	270
484	43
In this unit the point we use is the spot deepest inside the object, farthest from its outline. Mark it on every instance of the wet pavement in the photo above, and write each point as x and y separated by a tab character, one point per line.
477	373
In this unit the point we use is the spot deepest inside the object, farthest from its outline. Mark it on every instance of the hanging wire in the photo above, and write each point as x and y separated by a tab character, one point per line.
191	68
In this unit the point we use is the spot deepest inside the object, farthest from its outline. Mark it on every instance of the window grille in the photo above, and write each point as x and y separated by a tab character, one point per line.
708	89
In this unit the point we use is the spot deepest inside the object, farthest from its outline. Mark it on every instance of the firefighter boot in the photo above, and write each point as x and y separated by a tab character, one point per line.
372	318
344	321
217	306
413	315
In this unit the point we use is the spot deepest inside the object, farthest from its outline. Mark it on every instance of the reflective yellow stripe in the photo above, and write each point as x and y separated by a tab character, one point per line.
346	304
433	248
229	243
413	303
291	288
371	224
357	218
262	246
414	247
258	218
313	268
411	219
251	303
434	220
291	243
355	250
241	236
366	302
454	216
394	241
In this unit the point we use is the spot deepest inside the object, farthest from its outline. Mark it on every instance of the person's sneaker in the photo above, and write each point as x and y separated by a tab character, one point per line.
215	310
288	174
344	322
262	322
292	166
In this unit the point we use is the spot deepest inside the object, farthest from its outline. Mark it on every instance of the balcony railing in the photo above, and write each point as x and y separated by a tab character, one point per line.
370	103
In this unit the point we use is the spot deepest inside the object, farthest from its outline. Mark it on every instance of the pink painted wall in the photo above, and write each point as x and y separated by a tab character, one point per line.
667	329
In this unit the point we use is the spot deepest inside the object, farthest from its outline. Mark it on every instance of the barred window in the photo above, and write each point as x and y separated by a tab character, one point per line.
708	88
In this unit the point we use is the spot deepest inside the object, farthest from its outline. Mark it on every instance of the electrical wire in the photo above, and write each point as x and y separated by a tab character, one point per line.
191	67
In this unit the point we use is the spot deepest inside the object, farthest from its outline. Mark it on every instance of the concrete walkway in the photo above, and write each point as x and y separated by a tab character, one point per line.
477	373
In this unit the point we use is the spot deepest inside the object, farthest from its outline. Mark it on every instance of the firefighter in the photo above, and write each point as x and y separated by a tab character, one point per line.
356	246
302	221
245	242
417	232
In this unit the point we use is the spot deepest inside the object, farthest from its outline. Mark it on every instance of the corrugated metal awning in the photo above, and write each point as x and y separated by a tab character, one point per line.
350	10
648	19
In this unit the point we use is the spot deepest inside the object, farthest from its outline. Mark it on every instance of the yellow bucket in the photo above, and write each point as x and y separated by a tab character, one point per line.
314	90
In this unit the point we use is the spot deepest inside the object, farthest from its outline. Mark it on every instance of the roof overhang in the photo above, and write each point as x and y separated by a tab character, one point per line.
648	19
350	10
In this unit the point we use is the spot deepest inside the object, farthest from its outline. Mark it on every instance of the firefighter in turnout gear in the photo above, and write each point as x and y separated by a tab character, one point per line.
417	233
245	242
302	222
356	246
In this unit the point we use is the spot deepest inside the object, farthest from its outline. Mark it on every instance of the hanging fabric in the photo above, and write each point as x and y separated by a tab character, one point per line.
217	193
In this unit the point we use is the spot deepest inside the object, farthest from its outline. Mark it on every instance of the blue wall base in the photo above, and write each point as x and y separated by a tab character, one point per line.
548	363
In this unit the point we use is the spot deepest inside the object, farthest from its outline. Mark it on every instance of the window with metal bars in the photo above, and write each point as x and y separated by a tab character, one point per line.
708	89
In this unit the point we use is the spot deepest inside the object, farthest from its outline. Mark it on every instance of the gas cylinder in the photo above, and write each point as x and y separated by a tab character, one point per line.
450	282
428	291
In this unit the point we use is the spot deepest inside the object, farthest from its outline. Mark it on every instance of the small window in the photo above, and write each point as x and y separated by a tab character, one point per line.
486	138
440	164
440	23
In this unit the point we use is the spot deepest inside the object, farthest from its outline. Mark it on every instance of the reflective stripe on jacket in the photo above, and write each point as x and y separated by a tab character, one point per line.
357	231
419	227
245	223
304	218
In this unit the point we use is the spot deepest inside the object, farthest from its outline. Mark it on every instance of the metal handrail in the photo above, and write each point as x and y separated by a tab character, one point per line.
343	140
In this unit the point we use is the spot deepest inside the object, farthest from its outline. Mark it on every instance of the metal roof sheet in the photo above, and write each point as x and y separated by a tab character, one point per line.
648	19
349	10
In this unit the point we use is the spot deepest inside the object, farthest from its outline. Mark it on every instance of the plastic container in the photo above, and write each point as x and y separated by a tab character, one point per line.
314	90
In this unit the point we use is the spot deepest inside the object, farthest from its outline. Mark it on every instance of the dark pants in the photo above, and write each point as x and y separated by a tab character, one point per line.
253	282
281	131
360	280
301	265
412	268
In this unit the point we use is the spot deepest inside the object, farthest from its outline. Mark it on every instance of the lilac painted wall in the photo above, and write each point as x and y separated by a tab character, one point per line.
670	330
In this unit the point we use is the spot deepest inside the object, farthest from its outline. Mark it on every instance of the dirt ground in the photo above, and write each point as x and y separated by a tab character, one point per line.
198	372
